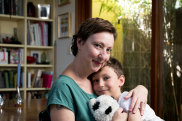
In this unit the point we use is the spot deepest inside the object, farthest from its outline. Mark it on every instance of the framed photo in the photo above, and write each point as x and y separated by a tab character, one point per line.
37	56
44	11
64	25
63	2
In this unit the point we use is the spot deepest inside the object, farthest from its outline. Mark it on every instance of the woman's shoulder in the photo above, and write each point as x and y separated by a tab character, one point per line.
63	81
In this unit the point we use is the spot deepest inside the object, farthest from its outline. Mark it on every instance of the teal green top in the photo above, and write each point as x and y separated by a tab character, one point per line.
66	92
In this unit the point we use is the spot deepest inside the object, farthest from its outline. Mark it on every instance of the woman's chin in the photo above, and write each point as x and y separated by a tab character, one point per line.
96	69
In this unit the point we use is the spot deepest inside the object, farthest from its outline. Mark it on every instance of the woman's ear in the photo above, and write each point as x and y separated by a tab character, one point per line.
79	42
122	80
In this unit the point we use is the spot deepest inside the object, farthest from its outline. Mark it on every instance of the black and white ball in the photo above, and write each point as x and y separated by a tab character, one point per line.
103	107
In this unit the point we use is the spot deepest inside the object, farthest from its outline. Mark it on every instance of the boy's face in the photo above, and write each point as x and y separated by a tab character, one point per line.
107	82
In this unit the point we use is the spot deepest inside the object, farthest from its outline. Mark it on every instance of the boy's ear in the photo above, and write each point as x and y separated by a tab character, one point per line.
122	80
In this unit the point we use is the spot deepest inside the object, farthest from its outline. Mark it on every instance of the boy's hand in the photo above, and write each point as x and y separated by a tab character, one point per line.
139	95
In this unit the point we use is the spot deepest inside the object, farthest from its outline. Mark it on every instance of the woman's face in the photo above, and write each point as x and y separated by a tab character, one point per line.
96	50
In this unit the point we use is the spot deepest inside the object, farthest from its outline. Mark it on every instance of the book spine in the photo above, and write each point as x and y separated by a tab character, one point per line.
0	6
11	79
38	77
6	79
2	81
7	7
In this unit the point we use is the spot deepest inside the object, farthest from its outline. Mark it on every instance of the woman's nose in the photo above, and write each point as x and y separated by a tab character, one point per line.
104	55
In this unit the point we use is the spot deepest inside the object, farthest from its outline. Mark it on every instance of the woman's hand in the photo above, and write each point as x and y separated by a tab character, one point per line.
119	115
139	95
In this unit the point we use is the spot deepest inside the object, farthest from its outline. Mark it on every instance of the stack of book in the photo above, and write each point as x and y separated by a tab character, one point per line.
39	34
12	56
39	79
12	7
8	79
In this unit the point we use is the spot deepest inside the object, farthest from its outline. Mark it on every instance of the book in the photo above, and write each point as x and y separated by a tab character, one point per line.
6	78
28	33
38	77
22	80
33	79
7	6
11	78
14	56
2	81
21	56
47	79
12	7
3	57
15	79
1	6
29	79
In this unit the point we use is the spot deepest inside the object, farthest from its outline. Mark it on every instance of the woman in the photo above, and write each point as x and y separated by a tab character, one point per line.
72	90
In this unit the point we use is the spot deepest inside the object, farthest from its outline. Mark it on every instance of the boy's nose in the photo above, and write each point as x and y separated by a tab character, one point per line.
101	83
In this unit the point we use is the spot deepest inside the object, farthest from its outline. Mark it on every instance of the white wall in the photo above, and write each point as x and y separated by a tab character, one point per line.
63	55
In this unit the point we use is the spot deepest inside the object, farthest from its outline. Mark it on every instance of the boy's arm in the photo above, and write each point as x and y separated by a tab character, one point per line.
134	117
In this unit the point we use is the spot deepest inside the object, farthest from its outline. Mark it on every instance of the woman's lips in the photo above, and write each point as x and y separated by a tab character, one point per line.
97	63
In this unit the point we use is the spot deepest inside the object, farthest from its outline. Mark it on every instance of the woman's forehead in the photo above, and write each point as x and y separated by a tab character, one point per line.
105	38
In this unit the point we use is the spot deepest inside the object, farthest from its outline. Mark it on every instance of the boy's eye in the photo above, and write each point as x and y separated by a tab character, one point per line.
106	78
95	80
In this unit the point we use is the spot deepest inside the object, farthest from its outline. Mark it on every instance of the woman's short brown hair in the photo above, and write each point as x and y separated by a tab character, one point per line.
90	27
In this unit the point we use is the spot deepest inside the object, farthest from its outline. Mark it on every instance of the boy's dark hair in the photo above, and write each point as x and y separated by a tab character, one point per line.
90	27
114	64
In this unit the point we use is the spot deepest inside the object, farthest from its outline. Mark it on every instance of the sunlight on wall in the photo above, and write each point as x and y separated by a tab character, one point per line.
117	51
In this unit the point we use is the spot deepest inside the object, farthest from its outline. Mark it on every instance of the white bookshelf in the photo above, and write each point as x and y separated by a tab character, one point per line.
7	23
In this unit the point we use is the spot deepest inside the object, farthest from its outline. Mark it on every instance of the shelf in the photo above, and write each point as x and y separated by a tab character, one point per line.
9	89
39	19
21	89
11	17
39	47
36	89
10	65
12	45
39	66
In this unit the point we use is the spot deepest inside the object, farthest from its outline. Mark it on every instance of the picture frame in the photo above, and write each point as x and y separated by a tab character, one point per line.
64	27
63	2
37	56
43	11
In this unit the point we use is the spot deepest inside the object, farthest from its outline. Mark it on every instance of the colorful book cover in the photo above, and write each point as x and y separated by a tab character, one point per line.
14	56
47	79
3	57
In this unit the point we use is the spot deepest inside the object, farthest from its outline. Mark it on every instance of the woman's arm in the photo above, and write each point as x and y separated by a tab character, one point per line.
139	98
134	116
119	115
61	113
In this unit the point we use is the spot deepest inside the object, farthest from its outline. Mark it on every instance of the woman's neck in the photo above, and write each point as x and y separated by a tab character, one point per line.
79	76
75	70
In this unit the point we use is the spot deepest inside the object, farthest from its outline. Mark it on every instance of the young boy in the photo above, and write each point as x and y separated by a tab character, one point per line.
109	80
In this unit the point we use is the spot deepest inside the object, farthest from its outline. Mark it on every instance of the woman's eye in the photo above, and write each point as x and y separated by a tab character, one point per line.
98	46
108	50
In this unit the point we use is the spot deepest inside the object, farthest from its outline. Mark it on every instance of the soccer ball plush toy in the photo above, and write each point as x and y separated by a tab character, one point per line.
103	107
